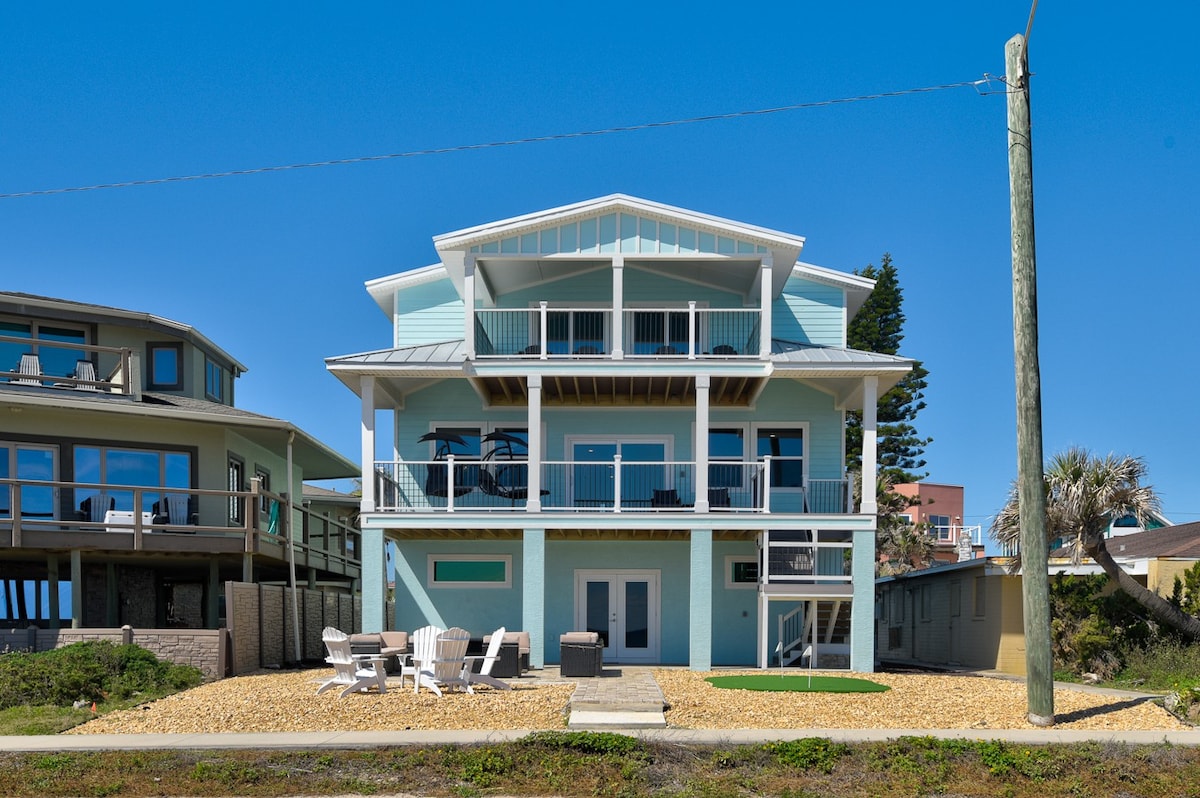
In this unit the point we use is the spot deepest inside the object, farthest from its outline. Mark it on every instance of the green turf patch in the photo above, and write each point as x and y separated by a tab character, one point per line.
802	684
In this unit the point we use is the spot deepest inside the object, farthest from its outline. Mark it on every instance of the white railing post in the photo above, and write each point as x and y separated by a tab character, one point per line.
449	483
691	329
766	483
542	327
616	483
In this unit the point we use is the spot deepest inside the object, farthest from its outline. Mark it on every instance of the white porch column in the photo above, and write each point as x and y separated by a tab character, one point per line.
766	297
701	600
870	447
533	594
701	448
366	387
469	305
618	320
534	477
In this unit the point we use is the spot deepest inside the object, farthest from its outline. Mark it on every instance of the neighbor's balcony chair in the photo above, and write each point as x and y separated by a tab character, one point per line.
29	367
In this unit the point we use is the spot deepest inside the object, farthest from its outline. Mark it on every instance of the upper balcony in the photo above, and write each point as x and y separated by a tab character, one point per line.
53	515
42	362
689	333
770	485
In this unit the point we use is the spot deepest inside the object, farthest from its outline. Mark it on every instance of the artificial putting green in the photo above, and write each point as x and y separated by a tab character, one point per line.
797	683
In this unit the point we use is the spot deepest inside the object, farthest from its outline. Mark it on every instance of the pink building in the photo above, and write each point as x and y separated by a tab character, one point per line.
940	508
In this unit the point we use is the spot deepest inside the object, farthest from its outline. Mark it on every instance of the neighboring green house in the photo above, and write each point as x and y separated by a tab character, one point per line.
623	417
131	487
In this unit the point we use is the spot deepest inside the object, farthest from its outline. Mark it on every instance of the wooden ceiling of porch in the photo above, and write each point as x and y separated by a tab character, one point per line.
584	389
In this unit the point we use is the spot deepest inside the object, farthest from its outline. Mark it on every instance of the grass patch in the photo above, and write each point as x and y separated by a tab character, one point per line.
798	684
585	764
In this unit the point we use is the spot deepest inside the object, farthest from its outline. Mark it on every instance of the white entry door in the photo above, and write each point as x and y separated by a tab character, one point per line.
623	607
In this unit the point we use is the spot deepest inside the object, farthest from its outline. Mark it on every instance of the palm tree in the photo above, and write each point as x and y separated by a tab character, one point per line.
905	545
1084	493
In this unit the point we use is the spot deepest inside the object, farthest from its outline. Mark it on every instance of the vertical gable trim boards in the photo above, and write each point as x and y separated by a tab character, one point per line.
626	233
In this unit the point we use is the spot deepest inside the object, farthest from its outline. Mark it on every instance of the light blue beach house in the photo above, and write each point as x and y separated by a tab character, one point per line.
623	417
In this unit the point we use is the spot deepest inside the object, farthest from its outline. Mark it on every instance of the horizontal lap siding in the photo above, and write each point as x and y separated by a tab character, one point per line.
429	313
810	312
478	610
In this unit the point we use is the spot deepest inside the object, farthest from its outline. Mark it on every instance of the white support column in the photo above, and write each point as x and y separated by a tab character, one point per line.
766	297
691	322
469	305
534	476
701	600
701	448
618	320
543	327
366	387
533	594
870	446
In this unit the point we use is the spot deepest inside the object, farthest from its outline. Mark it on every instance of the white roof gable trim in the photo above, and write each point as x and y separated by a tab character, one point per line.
820	274
464	239
383	289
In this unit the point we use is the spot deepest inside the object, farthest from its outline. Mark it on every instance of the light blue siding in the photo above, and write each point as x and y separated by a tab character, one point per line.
429	313
809	312
478	610
734	610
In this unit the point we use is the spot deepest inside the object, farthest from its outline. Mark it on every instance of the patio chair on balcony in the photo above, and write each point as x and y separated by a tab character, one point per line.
724	349
29	368
175	509
85	372
503	473
437	477
666	349
666	498
95	507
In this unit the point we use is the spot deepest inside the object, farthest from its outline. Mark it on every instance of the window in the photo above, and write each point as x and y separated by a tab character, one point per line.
786	449
149	468
236	481
741	572
214	380
264	480
470	570
166	366
576	331
939	525
56	361
726	443
980	596
656	329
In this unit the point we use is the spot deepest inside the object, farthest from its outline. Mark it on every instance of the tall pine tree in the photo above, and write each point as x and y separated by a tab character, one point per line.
879	327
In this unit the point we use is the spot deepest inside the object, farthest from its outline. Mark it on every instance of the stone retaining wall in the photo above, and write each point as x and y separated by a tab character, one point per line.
202	648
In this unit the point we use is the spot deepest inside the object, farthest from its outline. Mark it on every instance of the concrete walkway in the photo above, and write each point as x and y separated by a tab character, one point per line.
625	699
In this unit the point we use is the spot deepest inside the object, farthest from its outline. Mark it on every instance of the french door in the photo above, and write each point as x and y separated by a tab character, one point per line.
623	606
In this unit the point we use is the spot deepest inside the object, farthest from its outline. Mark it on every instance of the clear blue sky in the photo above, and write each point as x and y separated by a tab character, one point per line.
272	266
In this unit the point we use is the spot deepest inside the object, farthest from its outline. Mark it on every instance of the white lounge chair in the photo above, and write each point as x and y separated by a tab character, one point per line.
85	371
488	659
29	367
353	672
445	667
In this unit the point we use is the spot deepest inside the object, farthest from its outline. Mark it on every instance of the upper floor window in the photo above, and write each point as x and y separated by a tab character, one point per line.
726	444
166	366
149	468
42	339
236	481
939	525
786	448
214	380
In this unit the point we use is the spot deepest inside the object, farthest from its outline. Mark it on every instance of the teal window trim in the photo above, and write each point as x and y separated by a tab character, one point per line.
469	571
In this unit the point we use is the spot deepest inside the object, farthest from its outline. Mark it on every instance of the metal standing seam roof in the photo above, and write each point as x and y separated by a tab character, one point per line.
451	354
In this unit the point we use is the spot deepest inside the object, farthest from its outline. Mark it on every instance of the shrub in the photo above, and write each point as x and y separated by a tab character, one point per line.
89	671
809	753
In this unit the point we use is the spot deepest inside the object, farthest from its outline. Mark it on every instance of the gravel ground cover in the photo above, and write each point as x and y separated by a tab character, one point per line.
923	701
286	701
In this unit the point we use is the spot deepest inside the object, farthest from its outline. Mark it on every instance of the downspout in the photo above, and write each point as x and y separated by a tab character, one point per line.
292	548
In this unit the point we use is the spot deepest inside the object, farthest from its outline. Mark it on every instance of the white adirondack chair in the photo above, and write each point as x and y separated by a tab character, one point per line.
445	667
424	642
488	659
353	672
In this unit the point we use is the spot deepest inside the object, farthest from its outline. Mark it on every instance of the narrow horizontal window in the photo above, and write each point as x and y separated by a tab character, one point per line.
470	570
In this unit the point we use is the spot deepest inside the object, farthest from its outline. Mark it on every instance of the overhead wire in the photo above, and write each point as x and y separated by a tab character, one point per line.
976	84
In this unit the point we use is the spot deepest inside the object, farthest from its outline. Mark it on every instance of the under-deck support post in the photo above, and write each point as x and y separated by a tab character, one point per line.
533	594
700	601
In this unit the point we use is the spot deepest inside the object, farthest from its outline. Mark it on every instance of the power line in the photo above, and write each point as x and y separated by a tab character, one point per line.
976	84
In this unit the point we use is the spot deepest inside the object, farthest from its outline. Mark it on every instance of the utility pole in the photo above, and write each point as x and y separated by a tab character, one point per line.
1035	584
